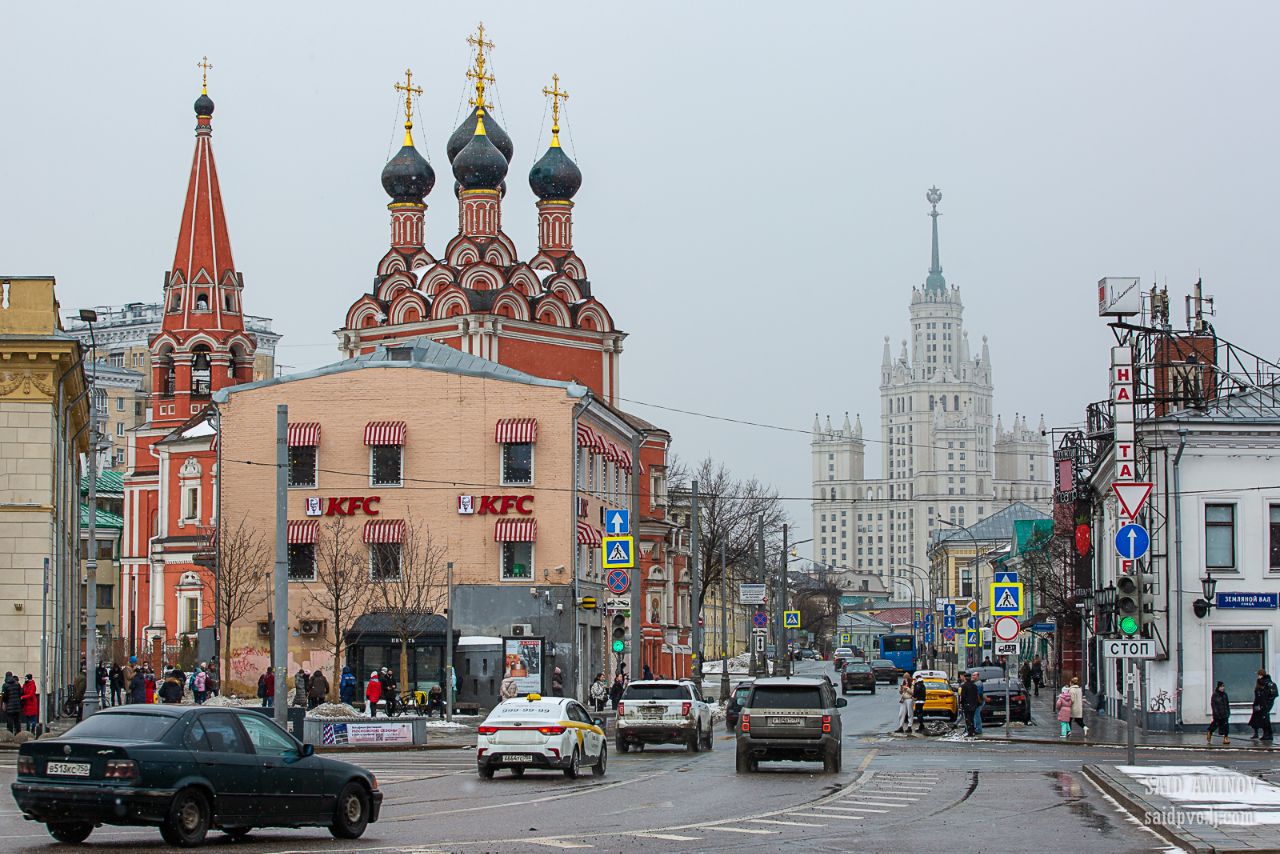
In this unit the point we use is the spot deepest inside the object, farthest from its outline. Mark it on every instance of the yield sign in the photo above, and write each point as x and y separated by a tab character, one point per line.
1131	496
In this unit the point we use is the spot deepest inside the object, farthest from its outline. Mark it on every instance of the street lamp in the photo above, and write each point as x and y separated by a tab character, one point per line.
782	661
1209	586
977	585
91	700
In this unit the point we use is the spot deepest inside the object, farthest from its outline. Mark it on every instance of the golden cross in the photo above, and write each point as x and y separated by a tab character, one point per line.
557	95
204	65
478	75
409	91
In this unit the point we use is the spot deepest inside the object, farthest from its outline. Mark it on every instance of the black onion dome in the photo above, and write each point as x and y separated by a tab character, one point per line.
203	105
555	176
480	165
408	177
467	129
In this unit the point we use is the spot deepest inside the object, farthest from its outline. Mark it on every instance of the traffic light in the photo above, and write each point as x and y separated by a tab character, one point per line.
1147	603
1129	605
619	634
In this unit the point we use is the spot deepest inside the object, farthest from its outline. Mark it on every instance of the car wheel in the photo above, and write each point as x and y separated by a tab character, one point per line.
70	832
237	833
744	765
623	747
575	762
485	771
831	761
598	768
873	689
517	772
351	815
188	821
708	743
693	739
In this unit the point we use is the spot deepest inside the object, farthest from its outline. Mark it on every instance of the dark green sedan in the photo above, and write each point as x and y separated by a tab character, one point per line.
187	770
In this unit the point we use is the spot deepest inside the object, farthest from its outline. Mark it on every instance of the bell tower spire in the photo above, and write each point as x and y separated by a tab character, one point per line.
480	167
935	284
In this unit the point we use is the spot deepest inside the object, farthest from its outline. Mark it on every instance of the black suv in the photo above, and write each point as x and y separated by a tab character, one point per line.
792	719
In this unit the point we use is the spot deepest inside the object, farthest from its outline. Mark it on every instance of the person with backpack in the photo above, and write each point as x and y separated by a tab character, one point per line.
200	685
1264	697
1221	707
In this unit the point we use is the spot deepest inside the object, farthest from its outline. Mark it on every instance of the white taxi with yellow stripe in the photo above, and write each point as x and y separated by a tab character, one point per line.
540	732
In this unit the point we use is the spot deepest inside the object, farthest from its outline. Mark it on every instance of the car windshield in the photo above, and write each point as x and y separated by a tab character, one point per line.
931	685
897	643
882	662
740	695
857	667
656	692
787	697
844	650
132	726
985	673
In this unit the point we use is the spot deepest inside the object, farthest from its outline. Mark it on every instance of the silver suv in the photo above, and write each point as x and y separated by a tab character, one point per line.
792	719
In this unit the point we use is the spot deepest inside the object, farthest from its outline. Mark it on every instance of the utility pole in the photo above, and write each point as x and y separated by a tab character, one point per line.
91	701
759	663
280	627
724	628
781	667
695	594
448	643
1132	721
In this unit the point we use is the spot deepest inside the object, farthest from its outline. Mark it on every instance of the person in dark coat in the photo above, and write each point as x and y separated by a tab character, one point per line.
970	702
646	673
116	679
347	685
615	691
138	687
11	693
1037	674
1264	697
171	689
317	689
557	683
918	696
1221	706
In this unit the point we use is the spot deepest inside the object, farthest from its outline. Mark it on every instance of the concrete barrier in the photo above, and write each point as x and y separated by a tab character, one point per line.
363	733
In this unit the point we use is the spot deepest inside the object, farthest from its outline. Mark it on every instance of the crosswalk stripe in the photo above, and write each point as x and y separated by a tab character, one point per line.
840	817
858	809
892	792
842	809
753	830
559	843
877	803
669	837
787	823
882	796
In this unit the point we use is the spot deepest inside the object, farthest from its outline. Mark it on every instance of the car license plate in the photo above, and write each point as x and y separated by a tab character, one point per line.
786	721
68	769
652	712
518	757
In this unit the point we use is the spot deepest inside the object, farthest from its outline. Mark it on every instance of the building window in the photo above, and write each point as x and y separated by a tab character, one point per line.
1220	536
384	561
302	465
1237	658
517	462
119	404
385	464
106	595
119	456
120	428
517	561
1275	536
106	550
189	615
191	502
302	561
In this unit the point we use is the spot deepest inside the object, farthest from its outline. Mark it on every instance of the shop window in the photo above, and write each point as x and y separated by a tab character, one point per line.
384	561
385	463
1220	536
1275	537
1237	658
517	561
302	465
517	462
302	562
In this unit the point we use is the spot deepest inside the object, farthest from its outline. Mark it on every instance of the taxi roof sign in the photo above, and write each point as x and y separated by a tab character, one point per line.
533	698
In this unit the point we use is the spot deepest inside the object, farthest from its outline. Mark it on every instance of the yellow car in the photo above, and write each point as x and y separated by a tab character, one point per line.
940	700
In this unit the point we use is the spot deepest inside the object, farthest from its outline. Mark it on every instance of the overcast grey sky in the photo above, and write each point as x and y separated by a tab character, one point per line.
753	207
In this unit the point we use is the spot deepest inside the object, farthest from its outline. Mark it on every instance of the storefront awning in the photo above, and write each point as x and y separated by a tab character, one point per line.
305	434
586	437
302	531
624	461
516	531
384	531
516	430
611	453
384	433
588	536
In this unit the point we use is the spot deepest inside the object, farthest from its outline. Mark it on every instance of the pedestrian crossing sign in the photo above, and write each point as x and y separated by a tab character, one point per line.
1006	600
618	553
791	619
971	637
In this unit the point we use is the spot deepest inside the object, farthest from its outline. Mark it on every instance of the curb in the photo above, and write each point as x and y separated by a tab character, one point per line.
1136	809
1139	745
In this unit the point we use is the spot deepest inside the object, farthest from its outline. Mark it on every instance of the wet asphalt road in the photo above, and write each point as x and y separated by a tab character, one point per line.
899	794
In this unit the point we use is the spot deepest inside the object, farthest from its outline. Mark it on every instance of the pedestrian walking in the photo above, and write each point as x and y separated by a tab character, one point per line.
1264	697
347	685
11	694
982	701
970	701
372	694
300	680
646	673
598	693
150	685
918	695
616	690
557	683
102	682
1037	674
1063	707
171	688
1221	706
200	685
118	683
317	690
906	702
213	682
1077	705
30	705
138	687
267	688
1024	674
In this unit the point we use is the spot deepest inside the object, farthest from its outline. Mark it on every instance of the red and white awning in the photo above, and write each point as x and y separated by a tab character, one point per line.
384	433
516	531
587	535
384	531
586	436
516	430
611	453
304	434
625	462
302	531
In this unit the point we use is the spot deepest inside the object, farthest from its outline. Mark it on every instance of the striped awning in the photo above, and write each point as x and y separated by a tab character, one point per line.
516	531
384	531
304	434
587	535
611	453
625	462
384	433
586	436
302	531
516	430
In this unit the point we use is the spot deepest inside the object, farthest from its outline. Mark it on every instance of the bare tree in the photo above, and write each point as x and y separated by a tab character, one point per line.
244	557
730	510
411	586
341	585
818	601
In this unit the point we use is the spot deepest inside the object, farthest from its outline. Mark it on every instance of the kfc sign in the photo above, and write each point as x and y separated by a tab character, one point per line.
494	505
345	506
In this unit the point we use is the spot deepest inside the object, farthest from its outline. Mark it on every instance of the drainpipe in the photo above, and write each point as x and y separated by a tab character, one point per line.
1177	550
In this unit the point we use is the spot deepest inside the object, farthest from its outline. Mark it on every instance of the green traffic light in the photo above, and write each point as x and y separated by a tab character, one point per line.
1128	626
619	646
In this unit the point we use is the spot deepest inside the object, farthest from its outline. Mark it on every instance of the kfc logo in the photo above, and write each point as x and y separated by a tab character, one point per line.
345	506
495	505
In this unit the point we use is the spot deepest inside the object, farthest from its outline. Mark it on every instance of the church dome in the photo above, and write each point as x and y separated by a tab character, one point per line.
203	105
480	165
462	136
555	176
408	177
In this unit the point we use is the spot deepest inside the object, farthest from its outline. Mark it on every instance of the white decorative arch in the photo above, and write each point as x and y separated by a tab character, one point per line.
404	303
481	277
448	303
553	311
517	306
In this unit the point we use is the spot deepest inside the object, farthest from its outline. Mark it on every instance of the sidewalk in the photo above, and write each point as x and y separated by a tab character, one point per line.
1104	729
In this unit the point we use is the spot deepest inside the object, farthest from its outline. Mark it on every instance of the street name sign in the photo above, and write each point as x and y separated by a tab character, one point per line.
618	553
1128	648
752	594
1265	601
1006	600
1132	541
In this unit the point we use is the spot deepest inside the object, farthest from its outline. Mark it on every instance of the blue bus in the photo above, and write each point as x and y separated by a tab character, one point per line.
901	650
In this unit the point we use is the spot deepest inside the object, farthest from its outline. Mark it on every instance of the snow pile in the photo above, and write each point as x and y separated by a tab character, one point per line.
230	701
1210	794
737	664
437	723
333	710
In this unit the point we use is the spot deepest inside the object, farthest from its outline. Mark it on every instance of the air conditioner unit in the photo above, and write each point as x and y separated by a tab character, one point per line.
522	629
310	628
264	630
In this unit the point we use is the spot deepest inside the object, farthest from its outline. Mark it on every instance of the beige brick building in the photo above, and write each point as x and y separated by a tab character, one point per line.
44	413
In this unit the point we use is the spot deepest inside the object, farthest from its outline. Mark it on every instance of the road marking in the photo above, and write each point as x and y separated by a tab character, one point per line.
579	790
559	843
787	823
896	792
849	809
877	804
753	830
872	793
840	817
670	837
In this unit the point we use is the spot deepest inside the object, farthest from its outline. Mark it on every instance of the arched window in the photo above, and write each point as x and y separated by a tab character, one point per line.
200	371
931	401
165	364
956	407
202	302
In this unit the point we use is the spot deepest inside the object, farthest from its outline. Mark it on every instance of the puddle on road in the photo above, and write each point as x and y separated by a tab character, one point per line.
1069	788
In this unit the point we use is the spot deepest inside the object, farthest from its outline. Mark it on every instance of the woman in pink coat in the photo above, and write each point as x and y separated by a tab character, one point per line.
1063	706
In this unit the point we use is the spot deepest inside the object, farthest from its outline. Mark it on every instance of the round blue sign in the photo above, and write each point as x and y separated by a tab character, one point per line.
1132	541
760	619
618	580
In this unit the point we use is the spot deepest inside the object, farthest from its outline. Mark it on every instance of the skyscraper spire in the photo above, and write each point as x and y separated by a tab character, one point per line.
935	284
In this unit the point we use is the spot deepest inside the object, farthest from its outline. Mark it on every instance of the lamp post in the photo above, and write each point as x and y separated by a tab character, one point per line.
926	594
91	699
782	662
1208	586
977	585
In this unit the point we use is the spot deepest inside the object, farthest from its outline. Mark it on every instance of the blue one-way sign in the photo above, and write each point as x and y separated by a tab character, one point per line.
617	522
1132	541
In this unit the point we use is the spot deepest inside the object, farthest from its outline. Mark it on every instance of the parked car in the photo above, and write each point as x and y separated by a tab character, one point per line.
540	732
994	691
790	719
885	670
186	770
940	699
734	706
806	654
857	676
841	656
664	711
